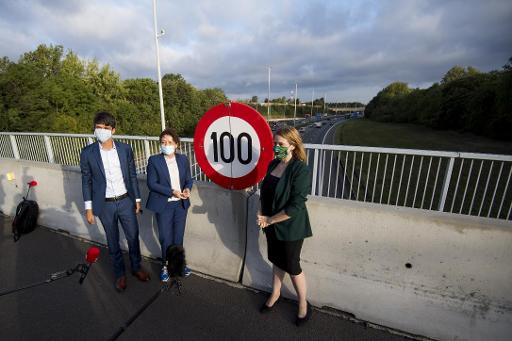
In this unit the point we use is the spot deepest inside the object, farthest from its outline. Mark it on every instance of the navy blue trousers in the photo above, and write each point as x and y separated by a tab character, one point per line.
171	225
122	211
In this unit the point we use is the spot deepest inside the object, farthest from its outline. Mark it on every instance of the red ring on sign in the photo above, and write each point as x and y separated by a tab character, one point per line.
263	131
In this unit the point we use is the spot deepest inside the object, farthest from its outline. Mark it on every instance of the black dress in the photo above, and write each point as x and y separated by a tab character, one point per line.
283	254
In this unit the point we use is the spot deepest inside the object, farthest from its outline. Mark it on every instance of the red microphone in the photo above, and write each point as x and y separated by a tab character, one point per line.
92	254
90	257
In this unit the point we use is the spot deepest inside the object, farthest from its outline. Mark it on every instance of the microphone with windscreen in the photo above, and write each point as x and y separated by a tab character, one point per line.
90	257
175	261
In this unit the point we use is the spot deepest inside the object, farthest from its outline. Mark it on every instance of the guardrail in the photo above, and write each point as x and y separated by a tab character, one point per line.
462	183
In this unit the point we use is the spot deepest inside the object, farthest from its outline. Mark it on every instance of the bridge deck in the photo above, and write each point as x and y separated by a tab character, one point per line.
208	309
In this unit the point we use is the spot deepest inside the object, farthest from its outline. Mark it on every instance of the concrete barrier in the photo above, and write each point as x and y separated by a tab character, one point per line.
439	275
214	236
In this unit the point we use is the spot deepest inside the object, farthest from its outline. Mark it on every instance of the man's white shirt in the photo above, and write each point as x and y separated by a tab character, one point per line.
113	174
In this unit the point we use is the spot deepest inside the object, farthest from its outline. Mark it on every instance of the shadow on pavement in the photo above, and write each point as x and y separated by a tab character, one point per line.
207	310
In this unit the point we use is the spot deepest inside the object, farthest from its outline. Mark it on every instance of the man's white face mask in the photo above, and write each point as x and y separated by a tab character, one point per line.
102	135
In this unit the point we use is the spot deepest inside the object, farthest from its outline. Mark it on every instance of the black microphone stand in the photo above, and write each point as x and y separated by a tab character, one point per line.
53	277
165	287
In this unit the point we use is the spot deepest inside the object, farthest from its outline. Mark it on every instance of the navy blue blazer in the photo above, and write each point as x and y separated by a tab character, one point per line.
159	181
94	182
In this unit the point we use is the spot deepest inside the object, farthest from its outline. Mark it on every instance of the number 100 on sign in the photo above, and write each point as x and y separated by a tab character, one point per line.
232	146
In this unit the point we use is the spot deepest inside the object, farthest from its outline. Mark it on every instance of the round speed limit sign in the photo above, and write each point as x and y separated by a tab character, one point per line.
233	145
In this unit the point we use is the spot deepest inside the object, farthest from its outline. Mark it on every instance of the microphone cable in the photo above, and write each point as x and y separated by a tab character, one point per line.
83	268
163	288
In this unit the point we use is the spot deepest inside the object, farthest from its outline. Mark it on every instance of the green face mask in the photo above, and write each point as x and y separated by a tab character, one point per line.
280	152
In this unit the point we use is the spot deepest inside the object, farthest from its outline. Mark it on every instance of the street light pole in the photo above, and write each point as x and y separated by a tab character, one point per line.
268	98
160	94
325	97
295	106
312	95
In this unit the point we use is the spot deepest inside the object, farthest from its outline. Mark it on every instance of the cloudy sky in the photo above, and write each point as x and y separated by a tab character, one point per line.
345	49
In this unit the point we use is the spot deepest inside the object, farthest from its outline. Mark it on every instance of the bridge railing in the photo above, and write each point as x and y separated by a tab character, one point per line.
461	183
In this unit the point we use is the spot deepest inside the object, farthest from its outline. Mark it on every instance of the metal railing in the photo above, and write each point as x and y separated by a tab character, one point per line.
462	183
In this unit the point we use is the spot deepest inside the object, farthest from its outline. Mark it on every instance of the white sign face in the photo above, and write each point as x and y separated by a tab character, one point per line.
232	146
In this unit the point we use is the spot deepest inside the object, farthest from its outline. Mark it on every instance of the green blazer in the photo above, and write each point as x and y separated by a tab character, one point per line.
291	195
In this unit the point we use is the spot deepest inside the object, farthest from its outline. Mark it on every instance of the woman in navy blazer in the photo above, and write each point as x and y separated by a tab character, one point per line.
170	183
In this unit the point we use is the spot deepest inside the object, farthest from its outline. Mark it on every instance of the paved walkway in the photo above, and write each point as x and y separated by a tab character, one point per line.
207	310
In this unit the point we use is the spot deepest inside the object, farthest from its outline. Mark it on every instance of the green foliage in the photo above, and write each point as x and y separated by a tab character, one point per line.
49	90
466	100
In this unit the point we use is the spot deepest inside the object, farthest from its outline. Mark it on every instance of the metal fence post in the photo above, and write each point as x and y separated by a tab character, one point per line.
147	150
49	149
315	168
14	146
446	184
321	173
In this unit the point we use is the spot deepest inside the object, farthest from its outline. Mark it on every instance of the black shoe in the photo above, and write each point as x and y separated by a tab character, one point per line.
302	320
266	309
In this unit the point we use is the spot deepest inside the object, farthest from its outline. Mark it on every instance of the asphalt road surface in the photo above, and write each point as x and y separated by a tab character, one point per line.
208	309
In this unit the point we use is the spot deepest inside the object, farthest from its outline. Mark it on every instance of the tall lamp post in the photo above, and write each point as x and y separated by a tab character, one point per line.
295	105
325	97
268	98
312	96
160	94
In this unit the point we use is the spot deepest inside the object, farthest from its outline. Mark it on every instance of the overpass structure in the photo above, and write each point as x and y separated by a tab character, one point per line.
345	110
415	240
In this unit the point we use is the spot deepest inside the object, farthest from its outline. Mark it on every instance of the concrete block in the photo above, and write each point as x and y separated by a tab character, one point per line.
429	273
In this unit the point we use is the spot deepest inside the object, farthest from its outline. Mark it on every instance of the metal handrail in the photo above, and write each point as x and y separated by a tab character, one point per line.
457	182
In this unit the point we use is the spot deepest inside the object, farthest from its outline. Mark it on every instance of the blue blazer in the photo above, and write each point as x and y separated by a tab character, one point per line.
159	181
94	182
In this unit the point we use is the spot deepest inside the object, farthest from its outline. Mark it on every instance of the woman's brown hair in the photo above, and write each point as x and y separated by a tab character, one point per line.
293	137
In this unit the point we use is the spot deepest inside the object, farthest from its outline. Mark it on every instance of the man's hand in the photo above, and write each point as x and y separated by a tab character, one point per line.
90	216
186	194
138	208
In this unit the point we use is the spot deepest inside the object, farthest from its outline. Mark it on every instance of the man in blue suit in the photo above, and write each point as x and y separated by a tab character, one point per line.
111	192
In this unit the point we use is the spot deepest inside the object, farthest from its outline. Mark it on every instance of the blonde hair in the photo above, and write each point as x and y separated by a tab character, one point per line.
293	137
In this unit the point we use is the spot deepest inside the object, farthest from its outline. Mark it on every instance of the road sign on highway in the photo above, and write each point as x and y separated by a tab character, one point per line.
233	145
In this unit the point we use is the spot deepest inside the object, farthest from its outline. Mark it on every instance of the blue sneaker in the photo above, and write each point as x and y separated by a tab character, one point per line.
186	272
164	275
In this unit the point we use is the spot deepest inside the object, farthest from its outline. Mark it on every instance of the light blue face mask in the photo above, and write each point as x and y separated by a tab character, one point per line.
167	150
102	135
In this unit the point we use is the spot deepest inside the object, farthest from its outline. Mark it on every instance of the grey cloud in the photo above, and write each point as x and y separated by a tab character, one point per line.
345	50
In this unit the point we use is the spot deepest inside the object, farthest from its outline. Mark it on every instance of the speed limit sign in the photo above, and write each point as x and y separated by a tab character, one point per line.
233	145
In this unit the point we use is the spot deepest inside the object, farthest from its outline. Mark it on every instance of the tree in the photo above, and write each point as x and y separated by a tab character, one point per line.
508	66
454	73
466	100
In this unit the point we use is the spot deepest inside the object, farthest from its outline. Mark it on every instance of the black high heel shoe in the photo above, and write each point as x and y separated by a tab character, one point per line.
266	309
300	321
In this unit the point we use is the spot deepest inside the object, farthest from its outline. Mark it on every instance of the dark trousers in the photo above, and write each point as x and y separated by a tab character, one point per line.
171	225
121	211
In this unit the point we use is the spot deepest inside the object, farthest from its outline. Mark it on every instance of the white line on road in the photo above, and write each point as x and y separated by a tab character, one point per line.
334	126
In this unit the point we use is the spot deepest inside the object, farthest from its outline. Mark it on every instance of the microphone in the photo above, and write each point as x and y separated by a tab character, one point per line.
90	257
175	260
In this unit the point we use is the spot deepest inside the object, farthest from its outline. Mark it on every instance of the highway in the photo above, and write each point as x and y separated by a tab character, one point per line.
328	161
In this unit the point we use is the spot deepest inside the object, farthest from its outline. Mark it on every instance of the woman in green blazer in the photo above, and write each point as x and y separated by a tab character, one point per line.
284	218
